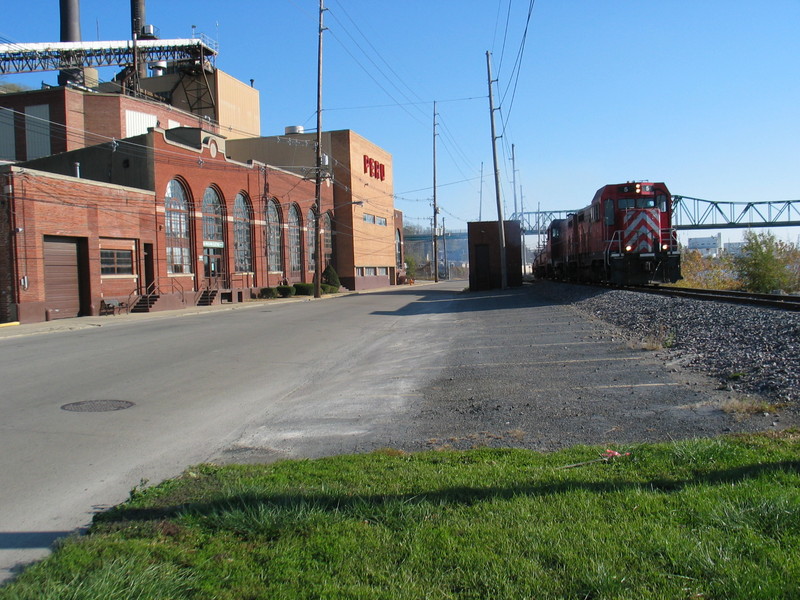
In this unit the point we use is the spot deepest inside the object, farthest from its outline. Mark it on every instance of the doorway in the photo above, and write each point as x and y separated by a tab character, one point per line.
213	267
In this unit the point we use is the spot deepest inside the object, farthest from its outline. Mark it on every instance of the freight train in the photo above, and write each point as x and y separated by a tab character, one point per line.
624	237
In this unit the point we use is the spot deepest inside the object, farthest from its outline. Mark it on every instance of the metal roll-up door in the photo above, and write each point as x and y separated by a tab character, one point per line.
62	277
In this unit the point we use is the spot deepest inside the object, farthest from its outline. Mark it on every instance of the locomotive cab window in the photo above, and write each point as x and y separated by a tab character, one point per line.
661	199
609	212
628	203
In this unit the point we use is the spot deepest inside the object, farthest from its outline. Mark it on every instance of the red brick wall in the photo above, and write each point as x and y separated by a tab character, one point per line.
103	215
229	178
50	205
56	99
7	275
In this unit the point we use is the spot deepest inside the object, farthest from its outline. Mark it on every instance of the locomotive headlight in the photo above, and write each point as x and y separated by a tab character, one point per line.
628	248
665	246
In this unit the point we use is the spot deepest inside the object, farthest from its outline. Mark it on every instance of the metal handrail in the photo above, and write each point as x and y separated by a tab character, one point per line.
156	288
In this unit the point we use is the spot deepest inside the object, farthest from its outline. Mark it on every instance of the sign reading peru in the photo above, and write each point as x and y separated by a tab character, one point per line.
374	168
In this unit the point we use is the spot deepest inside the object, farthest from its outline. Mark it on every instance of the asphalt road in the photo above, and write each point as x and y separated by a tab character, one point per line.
411	368
263	381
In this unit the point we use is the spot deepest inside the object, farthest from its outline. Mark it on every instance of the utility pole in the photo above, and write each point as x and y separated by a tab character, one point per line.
522	212
514	178
480	197
500	224
446	262
318	178
435	206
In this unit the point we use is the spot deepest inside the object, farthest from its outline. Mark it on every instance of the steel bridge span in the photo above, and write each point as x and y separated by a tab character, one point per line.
687	214
695	213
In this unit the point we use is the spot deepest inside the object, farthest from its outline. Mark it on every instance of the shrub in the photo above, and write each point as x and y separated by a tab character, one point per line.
411	267
330	277
286	291
764	264
329	289
304	289
268	292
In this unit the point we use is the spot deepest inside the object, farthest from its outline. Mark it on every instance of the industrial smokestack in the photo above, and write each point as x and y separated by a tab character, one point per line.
137	25
137	17
70	20
70	32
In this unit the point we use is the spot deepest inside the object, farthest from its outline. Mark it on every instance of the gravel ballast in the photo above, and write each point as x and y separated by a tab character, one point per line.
749	349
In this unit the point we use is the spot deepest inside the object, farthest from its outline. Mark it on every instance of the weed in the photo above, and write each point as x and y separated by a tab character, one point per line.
747	406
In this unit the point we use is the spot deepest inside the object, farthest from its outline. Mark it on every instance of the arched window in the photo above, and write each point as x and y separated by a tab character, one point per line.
214	261
212	216
311	240
274	237
241	235
398	249
176	225
327	236
295	251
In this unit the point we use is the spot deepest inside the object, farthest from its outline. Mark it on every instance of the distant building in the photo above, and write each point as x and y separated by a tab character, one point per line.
707	246
734	248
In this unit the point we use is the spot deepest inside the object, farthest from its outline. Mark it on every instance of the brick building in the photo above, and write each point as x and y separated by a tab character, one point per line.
164	217
368	230
42	122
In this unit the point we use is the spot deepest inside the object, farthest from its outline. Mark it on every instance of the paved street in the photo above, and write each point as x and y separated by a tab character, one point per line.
326	375
412	368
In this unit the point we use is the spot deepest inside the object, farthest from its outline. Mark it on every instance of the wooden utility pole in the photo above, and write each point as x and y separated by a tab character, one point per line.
480	197
522	227
446	261
514	178
500	224
318	178
435	206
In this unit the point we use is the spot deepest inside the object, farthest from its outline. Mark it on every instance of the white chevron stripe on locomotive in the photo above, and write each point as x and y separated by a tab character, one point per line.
642	229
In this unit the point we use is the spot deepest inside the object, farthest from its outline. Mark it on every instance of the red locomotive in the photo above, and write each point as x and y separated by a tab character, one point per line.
624	237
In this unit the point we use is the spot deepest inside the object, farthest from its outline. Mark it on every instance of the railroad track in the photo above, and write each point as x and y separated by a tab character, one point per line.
780	301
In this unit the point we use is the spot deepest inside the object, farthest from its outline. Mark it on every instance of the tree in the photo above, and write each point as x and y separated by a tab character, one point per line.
12	88
765	263
713	273
411	267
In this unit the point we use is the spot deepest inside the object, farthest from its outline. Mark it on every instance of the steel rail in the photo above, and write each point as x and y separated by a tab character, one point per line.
781	301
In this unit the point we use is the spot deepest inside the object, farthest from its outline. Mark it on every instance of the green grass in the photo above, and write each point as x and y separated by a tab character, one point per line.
715	518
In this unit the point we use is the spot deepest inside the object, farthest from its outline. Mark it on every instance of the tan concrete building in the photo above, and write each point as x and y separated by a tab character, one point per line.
367	229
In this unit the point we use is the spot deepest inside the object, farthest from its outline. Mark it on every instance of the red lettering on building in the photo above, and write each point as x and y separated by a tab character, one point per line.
374	168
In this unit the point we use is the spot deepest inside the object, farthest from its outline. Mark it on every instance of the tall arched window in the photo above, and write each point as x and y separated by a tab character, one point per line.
242	246
295	251
212	216
311	239
327	236
176	225
398	249
274	237
214	262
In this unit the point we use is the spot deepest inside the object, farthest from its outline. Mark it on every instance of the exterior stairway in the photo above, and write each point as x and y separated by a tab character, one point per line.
207	298
145	303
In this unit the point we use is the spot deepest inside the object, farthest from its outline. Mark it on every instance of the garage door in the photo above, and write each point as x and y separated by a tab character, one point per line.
62	277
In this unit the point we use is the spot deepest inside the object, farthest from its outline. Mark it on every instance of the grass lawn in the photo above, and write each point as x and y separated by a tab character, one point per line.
716	518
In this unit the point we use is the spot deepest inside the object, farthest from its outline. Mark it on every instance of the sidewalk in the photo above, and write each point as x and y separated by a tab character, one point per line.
14	329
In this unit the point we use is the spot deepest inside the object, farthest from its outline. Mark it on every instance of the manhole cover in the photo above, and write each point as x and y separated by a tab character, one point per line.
97	405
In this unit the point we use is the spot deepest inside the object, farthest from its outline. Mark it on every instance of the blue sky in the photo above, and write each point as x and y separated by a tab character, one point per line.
701	95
